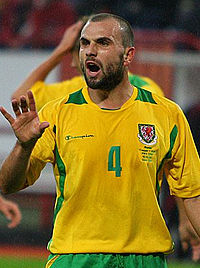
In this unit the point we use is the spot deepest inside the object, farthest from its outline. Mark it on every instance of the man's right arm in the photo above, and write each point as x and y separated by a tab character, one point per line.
42	71
28	130
13	170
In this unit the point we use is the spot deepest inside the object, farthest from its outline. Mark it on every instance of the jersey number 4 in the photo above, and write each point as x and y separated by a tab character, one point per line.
114	163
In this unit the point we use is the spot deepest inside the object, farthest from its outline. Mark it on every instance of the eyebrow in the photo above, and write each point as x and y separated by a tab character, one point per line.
83	39
98	39
103	39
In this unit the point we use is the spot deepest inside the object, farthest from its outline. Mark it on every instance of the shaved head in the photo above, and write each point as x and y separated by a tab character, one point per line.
125	27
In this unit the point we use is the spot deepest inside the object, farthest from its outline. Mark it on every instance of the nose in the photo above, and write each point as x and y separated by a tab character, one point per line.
91	50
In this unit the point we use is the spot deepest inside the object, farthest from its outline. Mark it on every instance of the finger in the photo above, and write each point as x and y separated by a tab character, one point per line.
24	105
7	115
43	126
6	212
31	101
15	215
79	24
184	246
14	221
195	253
75	26
15	107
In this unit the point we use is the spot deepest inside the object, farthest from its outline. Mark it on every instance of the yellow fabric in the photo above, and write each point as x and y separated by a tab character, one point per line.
109	169
44	93
151	86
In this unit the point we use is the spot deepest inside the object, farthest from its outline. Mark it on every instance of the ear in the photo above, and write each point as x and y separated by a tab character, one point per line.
129	55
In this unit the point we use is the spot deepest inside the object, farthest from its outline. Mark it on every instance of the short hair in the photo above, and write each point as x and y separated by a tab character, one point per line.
127	32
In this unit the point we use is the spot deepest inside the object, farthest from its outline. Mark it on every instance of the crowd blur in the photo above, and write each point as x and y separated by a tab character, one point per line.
41	23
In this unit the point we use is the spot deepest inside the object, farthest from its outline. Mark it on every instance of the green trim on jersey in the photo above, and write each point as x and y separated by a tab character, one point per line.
100	260
51	256
137	80
54	129
62	173
76	98
173	136
145	96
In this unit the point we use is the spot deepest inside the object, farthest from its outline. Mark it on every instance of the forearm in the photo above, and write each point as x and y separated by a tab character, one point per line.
181	209
13	170
192	207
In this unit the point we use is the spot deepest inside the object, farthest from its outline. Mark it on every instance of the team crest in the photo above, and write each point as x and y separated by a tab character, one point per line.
147	134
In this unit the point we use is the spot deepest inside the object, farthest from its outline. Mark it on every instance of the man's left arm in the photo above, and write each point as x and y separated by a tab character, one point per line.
192	208
182	174
187	233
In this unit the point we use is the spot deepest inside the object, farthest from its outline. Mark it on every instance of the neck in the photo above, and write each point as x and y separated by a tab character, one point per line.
113	99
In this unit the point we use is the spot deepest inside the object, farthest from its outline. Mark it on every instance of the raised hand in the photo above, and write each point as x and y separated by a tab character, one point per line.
26	125
69	37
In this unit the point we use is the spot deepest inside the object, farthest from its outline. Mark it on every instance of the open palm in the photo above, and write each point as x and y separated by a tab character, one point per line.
26	125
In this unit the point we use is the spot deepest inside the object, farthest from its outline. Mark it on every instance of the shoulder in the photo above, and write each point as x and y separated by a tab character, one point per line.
52	107
146	83
159	102
171	108
75	97
75	82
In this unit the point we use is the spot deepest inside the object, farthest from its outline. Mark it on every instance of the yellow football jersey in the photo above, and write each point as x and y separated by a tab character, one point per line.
109	166
44	93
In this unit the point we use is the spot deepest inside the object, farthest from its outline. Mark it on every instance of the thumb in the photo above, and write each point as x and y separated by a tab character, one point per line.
43	126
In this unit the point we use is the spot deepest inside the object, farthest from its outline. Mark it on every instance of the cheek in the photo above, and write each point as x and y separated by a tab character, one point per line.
80	54
81	65
114	59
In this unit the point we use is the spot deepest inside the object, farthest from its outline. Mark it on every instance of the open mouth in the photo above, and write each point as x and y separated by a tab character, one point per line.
93	68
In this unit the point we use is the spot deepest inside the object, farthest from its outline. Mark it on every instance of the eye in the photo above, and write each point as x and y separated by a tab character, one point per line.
84	42
103	42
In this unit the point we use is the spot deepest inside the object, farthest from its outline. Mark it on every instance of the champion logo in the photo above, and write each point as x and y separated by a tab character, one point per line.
69	137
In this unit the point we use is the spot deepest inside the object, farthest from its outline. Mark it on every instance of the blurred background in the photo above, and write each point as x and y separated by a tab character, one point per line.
167	41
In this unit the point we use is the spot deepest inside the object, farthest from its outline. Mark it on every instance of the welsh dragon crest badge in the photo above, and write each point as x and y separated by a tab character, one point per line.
147	134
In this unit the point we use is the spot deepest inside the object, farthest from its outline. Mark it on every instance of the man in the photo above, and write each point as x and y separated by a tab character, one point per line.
109	144
10	211
43	93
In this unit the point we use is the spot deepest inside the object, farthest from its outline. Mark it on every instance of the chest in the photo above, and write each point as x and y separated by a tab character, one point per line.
133	136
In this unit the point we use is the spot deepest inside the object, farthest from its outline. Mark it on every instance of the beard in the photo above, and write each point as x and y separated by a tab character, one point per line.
111	77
